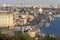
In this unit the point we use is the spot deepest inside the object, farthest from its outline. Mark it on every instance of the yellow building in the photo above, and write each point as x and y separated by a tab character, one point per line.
6	19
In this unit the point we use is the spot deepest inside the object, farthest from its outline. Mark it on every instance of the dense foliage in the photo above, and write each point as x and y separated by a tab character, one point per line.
25	36
20	36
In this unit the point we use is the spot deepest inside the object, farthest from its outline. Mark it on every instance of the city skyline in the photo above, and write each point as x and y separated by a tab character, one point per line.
50	2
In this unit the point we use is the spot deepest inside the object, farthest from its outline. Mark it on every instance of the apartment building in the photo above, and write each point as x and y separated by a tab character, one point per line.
6	19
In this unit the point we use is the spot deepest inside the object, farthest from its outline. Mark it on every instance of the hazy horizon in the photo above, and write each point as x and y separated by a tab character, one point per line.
50	2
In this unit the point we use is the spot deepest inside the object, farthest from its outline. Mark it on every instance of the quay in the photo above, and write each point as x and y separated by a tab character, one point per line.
57	15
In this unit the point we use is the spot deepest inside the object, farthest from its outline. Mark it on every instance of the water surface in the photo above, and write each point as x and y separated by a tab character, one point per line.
53	29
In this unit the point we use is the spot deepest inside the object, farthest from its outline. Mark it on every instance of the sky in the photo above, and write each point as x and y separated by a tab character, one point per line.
52	2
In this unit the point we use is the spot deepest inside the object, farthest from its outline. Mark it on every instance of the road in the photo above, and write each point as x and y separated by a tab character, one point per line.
57	15
40	24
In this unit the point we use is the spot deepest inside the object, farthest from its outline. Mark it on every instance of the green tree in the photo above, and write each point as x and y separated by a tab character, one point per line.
8	37
0	34
48	37
24	36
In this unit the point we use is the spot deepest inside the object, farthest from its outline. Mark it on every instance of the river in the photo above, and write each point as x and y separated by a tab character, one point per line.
53	29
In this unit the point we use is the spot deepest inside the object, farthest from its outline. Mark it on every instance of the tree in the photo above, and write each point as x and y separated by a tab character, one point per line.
24	36
48	37
0	34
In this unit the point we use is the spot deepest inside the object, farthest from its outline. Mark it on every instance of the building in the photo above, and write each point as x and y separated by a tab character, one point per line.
6	19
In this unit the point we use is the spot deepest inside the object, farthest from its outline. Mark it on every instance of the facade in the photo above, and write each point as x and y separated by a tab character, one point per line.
6	19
